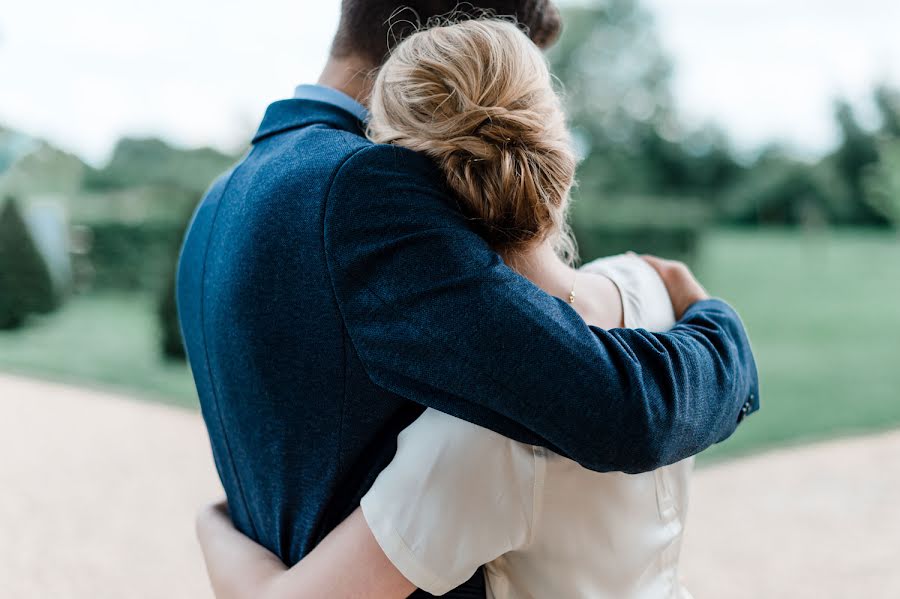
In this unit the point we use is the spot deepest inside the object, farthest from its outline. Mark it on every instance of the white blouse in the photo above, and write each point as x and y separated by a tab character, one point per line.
457	496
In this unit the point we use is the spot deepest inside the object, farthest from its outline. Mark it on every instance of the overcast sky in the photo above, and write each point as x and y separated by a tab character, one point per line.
199	72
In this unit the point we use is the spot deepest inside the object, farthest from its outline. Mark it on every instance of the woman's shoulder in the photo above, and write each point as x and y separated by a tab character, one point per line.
446	437
645	301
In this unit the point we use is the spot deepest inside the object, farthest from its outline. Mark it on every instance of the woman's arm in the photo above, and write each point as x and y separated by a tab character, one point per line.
348	563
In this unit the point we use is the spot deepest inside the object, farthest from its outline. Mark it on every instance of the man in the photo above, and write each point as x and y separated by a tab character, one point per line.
329	289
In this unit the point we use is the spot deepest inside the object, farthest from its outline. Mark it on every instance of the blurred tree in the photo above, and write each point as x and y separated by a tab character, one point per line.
26	282
887	100
616	80
857	152
837	189
39	169
142	162
882	182
779	190
645	182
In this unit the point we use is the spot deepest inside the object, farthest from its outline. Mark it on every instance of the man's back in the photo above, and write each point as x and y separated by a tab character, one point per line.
267	347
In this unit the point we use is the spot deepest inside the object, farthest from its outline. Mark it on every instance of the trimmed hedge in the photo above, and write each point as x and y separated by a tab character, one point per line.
668	227
673	243
172	344
131	257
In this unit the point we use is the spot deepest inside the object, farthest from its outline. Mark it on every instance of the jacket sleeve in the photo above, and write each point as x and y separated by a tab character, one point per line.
436	317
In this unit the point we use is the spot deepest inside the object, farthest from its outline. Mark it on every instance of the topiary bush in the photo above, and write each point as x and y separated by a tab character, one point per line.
26	282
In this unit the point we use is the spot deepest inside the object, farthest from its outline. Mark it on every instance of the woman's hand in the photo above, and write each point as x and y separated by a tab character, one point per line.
684	289
238	568
348	563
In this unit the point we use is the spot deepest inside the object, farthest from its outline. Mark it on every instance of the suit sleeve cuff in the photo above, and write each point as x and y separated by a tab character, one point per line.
751	401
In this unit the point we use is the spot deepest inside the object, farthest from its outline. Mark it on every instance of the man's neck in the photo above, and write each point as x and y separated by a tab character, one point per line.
349	75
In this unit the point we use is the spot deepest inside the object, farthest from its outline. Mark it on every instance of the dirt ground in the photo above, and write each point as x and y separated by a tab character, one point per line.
98	494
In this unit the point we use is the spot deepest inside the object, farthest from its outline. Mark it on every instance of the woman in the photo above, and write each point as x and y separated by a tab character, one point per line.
477	97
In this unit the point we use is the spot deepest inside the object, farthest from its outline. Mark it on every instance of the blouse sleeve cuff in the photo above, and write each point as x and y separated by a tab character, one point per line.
399	553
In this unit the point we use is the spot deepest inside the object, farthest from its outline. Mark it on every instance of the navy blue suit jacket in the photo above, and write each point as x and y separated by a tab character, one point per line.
328	289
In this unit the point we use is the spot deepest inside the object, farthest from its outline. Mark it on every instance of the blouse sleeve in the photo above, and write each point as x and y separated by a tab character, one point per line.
456	496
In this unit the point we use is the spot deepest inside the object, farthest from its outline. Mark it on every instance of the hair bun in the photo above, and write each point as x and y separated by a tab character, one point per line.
504	127
485	133
476	96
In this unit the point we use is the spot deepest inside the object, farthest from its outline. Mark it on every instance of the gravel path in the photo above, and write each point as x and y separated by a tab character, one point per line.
99	492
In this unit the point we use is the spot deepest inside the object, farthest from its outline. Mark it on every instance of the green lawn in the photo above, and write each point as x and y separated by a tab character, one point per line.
823	313
103	340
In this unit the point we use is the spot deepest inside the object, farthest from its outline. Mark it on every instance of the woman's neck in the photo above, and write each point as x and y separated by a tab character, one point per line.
597	298
543	267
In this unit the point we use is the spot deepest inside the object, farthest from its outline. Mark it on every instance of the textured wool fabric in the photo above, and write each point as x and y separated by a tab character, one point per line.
329	290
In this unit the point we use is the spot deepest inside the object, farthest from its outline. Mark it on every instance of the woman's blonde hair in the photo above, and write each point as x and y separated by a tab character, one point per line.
477	97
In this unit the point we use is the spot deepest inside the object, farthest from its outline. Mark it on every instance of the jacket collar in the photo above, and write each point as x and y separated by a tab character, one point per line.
285	115
329	95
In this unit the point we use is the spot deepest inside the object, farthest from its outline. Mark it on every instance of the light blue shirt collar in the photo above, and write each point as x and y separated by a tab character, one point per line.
329	95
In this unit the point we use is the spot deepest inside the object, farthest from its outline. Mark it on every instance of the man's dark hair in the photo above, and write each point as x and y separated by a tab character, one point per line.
370	28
